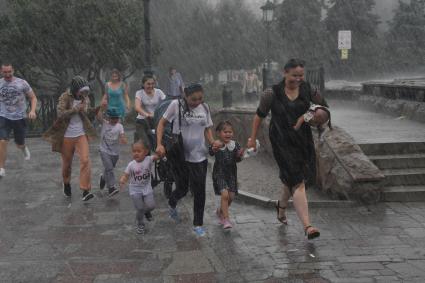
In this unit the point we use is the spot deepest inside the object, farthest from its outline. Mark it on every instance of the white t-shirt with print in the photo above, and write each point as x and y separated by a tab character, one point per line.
13	94
140	176
194	123
149	103
110	137
75	127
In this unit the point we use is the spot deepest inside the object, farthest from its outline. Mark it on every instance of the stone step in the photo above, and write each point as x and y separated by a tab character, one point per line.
393	148
399	161
403	193
410	176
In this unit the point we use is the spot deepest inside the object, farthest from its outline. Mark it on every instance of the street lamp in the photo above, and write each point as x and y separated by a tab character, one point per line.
268	17
147	24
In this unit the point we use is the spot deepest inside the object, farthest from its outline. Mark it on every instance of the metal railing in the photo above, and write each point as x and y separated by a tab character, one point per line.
316	78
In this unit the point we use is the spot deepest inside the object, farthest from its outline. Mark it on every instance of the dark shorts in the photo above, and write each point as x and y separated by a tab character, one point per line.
19	128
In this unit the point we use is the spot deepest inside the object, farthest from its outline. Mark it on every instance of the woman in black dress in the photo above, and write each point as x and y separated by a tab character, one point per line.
293	149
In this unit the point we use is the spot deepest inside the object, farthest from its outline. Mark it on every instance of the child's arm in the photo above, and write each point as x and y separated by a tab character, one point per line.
155	157
211	151
123	139
123	180
215	144
99	114
299	122
239	151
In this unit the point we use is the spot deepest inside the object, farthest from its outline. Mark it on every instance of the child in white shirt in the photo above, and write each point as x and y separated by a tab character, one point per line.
139	172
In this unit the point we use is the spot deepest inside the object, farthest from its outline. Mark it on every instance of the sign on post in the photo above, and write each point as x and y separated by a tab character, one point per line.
344	54
344	39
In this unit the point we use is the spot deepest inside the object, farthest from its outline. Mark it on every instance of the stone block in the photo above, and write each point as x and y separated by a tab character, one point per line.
409	108
393	106
420	113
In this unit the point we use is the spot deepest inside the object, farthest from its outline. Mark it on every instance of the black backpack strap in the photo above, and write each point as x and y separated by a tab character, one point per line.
180	117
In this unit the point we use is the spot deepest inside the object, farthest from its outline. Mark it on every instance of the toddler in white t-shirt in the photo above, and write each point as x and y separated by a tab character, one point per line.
138	173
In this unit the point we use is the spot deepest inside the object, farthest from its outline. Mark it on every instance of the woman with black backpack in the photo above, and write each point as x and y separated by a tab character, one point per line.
192	124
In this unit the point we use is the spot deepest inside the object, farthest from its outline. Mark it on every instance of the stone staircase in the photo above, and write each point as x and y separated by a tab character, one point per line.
403	165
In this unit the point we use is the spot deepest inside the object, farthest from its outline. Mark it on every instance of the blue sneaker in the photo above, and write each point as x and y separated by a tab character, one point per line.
172	212
199	231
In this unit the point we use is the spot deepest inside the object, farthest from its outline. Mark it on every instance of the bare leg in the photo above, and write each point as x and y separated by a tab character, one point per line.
68	147
300	204
82	149
225	204
231	197
283	202
3	150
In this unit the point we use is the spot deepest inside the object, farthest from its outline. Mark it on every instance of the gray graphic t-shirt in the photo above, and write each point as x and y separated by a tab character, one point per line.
13	98
109	137
140	176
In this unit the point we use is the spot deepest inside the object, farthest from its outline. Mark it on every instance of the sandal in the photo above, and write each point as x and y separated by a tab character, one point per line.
281	219
314	232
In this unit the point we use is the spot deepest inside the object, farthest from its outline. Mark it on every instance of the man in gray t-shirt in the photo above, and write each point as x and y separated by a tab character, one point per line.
175	85
13	94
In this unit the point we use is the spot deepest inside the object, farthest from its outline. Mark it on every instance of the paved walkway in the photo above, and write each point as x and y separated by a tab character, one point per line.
47	238
373	127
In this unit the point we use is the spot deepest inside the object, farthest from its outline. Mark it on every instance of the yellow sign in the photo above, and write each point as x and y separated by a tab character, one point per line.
344	54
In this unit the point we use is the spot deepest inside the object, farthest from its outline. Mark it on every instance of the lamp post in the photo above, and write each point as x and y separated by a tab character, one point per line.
147	70
268	14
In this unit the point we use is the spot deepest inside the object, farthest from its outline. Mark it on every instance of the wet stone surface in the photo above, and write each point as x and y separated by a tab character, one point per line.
47	238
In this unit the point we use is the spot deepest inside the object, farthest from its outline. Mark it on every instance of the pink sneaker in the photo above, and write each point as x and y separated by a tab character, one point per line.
219	216
227	224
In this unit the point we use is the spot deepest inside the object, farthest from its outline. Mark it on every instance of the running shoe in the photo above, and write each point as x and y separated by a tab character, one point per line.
140	229
227	224
27	154
112	191
87	195
67	190
172	212
199	231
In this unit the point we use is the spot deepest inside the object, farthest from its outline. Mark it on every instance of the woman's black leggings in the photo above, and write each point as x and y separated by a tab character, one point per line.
191	175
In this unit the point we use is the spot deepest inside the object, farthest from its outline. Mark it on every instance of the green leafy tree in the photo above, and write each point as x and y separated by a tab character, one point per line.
406	36
199	38
50	43
357	16
299	24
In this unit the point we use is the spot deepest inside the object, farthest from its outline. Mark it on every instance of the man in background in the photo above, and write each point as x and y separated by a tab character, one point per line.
251	86
13	107
175	84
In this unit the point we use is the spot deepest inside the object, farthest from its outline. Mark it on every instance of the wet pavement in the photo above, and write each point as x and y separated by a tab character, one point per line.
47	238
374	127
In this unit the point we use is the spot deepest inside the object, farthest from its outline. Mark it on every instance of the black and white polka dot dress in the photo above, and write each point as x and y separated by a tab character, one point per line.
225	170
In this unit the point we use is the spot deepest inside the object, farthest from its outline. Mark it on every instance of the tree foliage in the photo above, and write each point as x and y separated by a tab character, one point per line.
199	38
300	26
50	43
357	16
406	36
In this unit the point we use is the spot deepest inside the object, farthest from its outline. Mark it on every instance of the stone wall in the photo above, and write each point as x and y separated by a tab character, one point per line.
343	171
411	109
397	107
